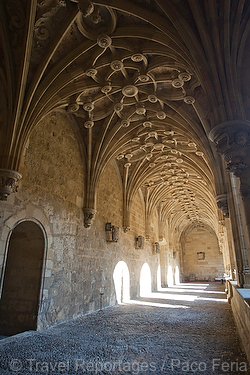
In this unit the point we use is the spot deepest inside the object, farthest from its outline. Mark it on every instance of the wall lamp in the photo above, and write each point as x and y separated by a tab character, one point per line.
139	242
112	232
156	247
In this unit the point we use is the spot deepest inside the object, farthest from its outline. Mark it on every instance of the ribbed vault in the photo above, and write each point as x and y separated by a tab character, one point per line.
143	84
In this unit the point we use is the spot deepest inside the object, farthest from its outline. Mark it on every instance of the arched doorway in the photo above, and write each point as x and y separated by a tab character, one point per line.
122	284
22	277
145	281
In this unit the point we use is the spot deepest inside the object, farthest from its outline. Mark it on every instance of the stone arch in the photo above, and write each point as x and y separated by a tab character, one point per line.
31	213
22	277
145	281
122	282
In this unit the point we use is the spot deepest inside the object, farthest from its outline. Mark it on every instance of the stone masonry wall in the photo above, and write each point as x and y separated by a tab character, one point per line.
137	217
79	263
201	240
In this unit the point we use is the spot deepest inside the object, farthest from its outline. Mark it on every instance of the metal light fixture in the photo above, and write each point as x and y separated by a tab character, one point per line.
139	242
112	232
156	247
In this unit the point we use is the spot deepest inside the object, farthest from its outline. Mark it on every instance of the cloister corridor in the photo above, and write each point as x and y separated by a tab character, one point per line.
124	187
184	329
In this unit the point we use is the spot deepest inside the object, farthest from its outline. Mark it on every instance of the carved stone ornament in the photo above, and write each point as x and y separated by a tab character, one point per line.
177	83
89	124
232	139
185	76
116	65
73	107
222	204
86	7
137	57
8	182
16	13
189	99
89	214
104	41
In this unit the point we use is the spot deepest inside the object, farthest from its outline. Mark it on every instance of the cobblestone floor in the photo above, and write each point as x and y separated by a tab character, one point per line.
187	329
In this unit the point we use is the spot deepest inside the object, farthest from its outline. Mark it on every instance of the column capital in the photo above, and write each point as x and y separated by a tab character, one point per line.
8	182
222	204
232	139
89	214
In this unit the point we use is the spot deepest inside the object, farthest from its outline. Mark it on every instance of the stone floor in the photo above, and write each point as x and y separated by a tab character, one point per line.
185	329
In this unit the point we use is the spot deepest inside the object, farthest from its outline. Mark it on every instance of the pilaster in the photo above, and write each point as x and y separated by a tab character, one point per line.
232	140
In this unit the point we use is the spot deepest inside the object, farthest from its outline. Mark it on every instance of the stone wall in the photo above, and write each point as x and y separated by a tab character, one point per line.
79	263
51	192
198	242
239	299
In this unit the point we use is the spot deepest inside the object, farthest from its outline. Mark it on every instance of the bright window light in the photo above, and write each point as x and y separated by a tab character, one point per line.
145	281
122	282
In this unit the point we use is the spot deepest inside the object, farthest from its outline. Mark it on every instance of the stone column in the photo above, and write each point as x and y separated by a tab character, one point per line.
232	139
222	204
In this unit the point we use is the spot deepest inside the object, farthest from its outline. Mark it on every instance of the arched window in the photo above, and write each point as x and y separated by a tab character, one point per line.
122	282
145	281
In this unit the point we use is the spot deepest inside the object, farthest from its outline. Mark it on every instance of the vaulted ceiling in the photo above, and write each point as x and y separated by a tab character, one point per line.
143	82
